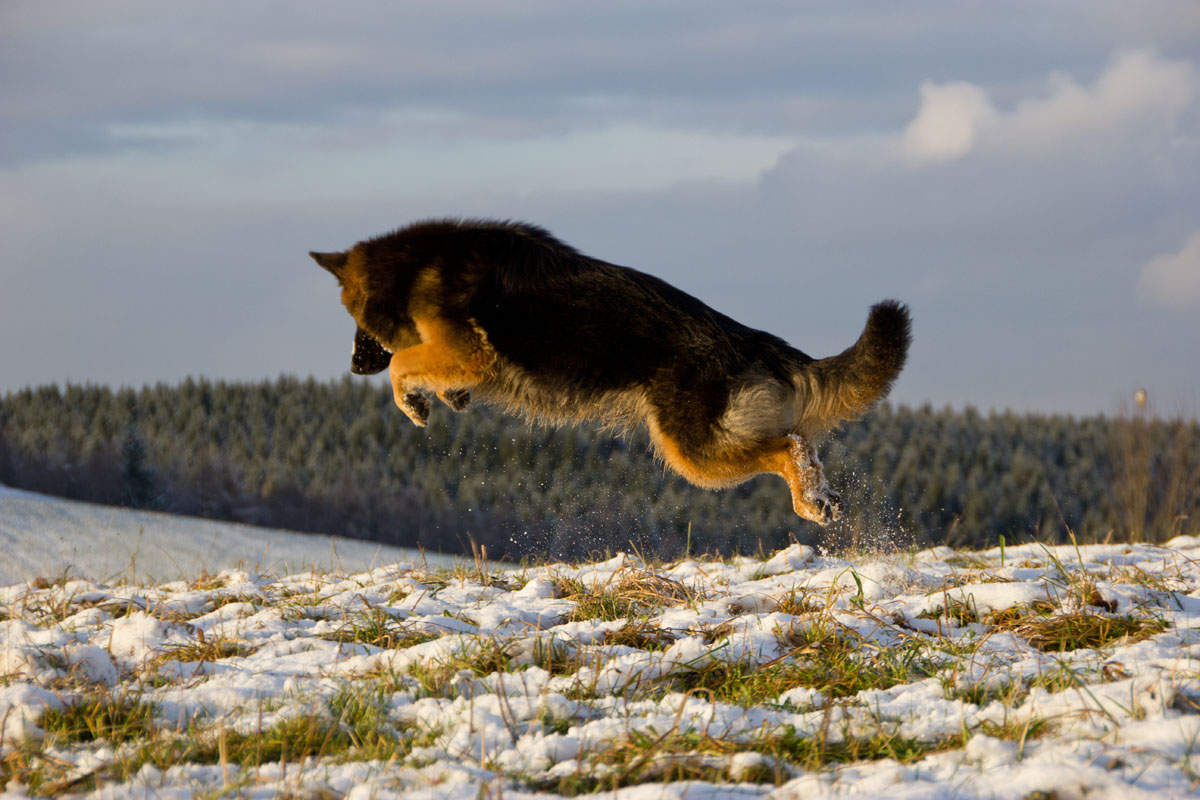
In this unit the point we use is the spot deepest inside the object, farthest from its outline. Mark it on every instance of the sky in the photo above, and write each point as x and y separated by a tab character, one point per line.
1025	175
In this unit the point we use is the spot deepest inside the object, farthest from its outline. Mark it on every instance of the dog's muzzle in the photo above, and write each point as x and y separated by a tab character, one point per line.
368	356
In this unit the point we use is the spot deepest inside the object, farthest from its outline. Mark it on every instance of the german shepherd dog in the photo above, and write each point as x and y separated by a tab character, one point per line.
504	312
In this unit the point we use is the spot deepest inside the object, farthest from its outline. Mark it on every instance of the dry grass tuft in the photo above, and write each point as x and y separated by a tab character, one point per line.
641	635
629	593
1065	632
798	602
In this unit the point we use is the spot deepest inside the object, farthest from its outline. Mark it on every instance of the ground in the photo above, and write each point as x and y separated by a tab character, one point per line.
1025	672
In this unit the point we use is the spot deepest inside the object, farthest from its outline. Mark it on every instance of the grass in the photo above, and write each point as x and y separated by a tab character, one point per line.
629	593
798	603
643	757
378	628
960	612
640	635
100	716
482	658
352	725
204	650
97	716
558	657
1063	632
1011	693
1066	632
838	664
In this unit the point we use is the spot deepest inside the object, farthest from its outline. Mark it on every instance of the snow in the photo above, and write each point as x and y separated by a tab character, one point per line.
46	537
993	715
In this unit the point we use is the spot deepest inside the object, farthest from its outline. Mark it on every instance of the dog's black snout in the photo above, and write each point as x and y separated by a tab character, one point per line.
369	356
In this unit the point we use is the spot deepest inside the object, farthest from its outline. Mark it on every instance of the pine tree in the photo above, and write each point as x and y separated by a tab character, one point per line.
138	485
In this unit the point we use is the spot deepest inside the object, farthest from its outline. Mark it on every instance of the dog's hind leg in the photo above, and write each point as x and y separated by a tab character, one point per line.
791	457
794	458
806	479
762	411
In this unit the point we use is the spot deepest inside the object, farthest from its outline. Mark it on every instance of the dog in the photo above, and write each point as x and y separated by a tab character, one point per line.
506	313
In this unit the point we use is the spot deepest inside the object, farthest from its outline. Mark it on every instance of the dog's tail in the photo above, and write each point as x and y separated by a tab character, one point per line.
849	384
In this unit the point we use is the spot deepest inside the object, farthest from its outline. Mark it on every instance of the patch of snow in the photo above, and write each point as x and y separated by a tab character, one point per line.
46	537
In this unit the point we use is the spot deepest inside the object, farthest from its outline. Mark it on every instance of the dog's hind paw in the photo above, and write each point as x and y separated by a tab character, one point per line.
416	406
457	399
830	505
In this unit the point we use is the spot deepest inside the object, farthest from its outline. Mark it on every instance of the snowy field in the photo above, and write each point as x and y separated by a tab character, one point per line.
1027	673
45	536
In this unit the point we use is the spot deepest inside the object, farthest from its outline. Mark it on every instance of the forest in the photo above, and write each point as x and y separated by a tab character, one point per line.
339	458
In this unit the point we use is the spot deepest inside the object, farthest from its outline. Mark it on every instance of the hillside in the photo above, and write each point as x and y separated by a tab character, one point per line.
48	537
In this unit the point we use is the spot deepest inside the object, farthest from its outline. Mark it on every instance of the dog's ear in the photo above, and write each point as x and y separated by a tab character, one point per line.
334	262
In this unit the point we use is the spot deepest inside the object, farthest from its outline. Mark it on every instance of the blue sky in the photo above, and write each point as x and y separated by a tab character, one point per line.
1025	175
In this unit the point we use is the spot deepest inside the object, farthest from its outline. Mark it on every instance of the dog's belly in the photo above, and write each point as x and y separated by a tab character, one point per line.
546	396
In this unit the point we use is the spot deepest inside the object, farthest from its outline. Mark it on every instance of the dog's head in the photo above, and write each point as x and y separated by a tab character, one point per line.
368	356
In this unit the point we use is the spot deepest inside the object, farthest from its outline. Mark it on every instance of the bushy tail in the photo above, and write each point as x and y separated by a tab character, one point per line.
849	384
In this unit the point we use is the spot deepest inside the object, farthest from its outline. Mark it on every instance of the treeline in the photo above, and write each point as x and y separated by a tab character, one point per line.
339	458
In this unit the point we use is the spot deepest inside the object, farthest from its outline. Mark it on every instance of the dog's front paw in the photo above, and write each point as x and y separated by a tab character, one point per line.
457	399
416	406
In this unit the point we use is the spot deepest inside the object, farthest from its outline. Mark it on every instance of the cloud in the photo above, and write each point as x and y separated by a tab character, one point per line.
1137	90
948	121
1172	280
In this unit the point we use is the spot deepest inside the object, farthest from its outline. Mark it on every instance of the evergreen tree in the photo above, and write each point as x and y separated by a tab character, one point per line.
138	485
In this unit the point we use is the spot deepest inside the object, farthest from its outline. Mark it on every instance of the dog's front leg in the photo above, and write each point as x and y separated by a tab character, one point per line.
409	398
442	362
456	399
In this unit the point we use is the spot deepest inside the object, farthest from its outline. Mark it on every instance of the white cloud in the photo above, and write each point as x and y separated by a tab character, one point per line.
948	121
1137	89
1172	280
